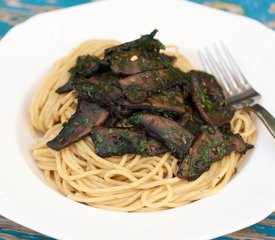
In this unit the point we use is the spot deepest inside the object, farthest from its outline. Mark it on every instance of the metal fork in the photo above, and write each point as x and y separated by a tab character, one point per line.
239	93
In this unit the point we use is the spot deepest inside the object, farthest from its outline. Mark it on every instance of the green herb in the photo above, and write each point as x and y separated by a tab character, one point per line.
142	61
172	100
165	136
136	119
216	142
64	124
203	127
203	151
135	89
161	46
162	81
143	146
99	138
202	97
83	63
208	104
95	58
110	149
94	107
83	120
155	73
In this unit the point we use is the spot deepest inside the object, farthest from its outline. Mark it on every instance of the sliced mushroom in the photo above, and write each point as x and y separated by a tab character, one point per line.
176	138
145	42
209	99
118	141
122	120
78	72
87	116
137	61
191	119
137	87
111	121
155	147
211	146
225	128
93	93
170	102
235	142
100	67
108	83
67	87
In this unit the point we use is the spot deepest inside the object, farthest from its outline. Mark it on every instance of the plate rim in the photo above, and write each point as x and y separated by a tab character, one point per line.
61	10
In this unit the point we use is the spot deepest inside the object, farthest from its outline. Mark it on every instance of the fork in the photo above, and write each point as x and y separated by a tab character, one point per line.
238	92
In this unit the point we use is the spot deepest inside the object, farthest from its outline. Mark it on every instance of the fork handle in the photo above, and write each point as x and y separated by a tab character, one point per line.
267	119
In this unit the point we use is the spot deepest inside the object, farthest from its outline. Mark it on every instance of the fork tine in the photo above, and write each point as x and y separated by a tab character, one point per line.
227	70
208	69
238	73
204	62
226	83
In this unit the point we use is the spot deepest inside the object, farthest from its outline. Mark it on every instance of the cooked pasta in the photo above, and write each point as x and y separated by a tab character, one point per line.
130	182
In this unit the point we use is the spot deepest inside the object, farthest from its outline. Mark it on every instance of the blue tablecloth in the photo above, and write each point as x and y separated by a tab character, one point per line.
16	11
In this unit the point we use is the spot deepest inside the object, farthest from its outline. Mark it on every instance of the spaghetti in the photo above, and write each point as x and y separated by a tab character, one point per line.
130	182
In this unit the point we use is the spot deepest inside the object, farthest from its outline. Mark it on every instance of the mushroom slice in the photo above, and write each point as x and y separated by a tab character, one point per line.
118	141
94	93
209	99
210	147
136	61
138	87
79	71
191	119
170	102
108	83
177	139
145	42
100	67
87	116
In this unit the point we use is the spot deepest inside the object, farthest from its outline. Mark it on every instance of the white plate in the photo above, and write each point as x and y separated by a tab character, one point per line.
27	53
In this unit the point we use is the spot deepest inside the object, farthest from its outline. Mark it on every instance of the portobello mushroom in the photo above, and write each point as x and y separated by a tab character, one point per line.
118	141
137	61
177	139
209	99
135	77
225	128
155	147
191	119
108	83
122	120
87	116
235	142
93	93
78	72
138	56
67	87
139	86
210	147
192	123
170	102
101	66
111	121
145	42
